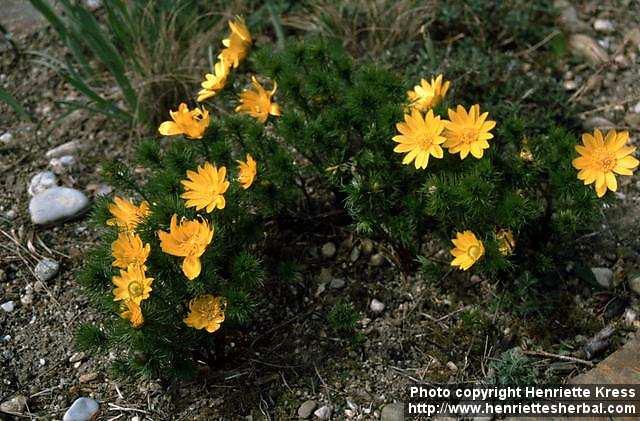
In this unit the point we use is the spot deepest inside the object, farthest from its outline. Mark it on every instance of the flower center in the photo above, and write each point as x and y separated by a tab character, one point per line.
469	135
474	252
606	161
135	289
208	311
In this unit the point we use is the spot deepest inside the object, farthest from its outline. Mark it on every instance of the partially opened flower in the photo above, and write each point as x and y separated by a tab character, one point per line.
128	249
257	102
420	137
601	158
191	123
204	189
132	284
214	82
468	131
247	171
237	45
506	242
468	250
127	216
189	239
132	312
428	95
206	312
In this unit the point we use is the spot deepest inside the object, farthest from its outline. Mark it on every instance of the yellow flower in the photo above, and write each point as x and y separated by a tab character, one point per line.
468	250
428	95
128	249
468	132
214	82
206	312
133	312
237	45
257	102
247	171
420	137
132	284
188	240
506	242
601	157
205	188
127	216
191	123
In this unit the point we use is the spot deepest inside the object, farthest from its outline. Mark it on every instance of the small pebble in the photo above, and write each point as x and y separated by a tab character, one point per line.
6	138
77	356
376	306
82	409
306	409
337	283
26	299
15	405
328	250
88	377
355	254
63	164
451	366
11	214
603	25
376	259
323	413
603	276
367	246
393	412
46	269
634	283
8	306
41	181
68	148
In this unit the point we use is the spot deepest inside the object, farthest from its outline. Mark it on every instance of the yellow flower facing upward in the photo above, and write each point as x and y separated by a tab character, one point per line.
206	312
132	312
132	284
214	82
204	189
601	158
191	123
189	239
428	95
247	171
237	45
468	250
128	249
468	131
257	102
126	215
420	137
506	242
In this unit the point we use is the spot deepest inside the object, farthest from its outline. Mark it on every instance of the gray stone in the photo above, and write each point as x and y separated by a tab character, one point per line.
568	17
586	47
14	405
632	119
26	299
56	204
46	269
76	357
393	412
328	250
42	181
8	306
634	283
82	409
11	214
376	259
68	148
323	413
376	306
603	276
603	25
337	283
63	164
306	409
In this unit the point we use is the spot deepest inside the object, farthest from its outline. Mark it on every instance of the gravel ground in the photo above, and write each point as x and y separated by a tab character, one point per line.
289	359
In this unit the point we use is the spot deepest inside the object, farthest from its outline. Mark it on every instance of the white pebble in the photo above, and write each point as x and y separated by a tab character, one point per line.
8	306
376	306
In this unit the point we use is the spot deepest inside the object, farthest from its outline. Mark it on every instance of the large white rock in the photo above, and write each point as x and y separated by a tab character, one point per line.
56	204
